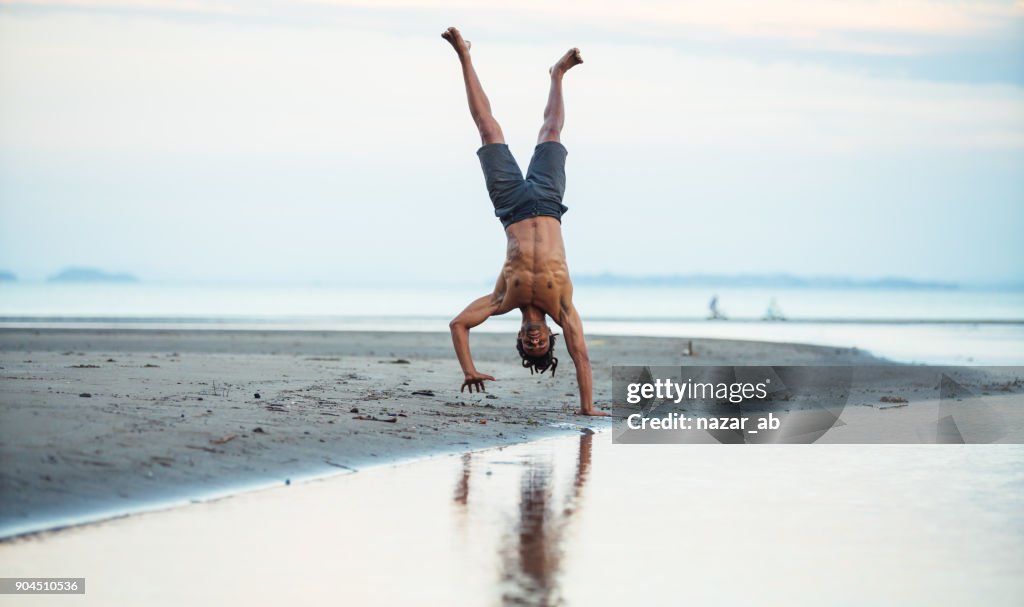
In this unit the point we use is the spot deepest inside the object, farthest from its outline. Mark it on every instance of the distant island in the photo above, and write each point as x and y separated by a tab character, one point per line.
759	280
7	276
90	275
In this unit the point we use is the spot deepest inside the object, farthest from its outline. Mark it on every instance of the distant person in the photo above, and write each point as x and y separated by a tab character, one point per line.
774	312
714	313
535	277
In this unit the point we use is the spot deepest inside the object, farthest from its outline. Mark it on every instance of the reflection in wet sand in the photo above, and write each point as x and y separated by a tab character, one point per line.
462	489
531	552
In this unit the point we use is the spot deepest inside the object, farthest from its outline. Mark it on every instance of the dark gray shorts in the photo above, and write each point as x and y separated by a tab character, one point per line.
516	198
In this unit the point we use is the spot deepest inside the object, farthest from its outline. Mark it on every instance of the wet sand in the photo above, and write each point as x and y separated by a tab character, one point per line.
579	521
173	416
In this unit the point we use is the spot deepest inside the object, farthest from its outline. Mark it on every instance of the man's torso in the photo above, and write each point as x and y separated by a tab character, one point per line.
535	272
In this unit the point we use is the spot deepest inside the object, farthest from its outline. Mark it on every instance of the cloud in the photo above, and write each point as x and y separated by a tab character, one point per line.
930	40
792	19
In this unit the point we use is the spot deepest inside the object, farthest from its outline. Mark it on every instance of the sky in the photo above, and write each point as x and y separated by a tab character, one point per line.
330	141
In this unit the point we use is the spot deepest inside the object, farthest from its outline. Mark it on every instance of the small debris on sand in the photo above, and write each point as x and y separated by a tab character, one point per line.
370	418
224	439
892	399
166	462
85	395
257	395
424	393
337	465
202	448
258	430
83	366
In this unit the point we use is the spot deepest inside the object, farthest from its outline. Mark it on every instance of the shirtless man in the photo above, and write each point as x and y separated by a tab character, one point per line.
535	278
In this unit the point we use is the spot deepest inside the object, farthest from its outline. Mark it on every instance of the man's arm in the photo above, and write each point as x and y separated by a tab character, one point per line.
475	313
572	328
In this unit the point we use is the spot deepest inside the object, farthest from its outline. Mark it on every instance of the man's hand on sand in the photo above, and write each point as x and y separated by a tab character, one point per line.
592	412
476	380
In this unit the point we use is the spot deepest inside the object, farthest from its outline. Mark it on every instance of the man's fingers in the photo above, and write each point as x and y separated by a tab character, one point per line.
477	383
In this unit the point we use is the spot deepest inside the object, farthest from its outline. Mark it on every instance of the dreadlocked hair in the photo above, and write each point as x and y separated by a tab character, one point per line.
539	364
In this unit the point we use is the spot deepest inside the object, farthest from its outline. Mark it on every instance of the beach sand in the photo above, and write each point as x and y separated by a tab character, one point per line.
173	416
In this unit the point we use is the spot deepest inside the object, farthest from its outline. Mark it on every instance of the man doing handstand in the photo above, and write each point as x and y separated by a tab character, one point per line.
535	278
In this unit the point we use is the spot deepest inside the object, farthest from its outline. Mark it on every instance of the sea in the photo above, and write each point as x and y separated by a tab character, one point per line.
962	326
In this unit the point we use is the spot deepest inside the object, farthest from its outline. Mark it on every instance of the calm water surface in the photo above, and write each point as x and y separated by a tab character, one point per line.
983	327
579	521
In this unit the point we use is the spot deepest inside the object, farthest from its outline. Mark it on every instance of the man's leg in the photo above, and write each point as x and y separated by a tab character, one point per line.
554	112
479	106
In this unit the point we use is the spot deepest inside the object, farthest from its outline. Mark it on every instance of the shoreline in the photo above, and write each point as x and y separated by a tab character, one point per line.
172	416
41	529
922	342
227	323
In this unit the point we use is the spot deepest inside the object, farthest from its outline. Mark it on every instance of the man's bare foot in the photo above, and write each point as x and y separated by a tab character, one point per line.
593	413
454	37
571	58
